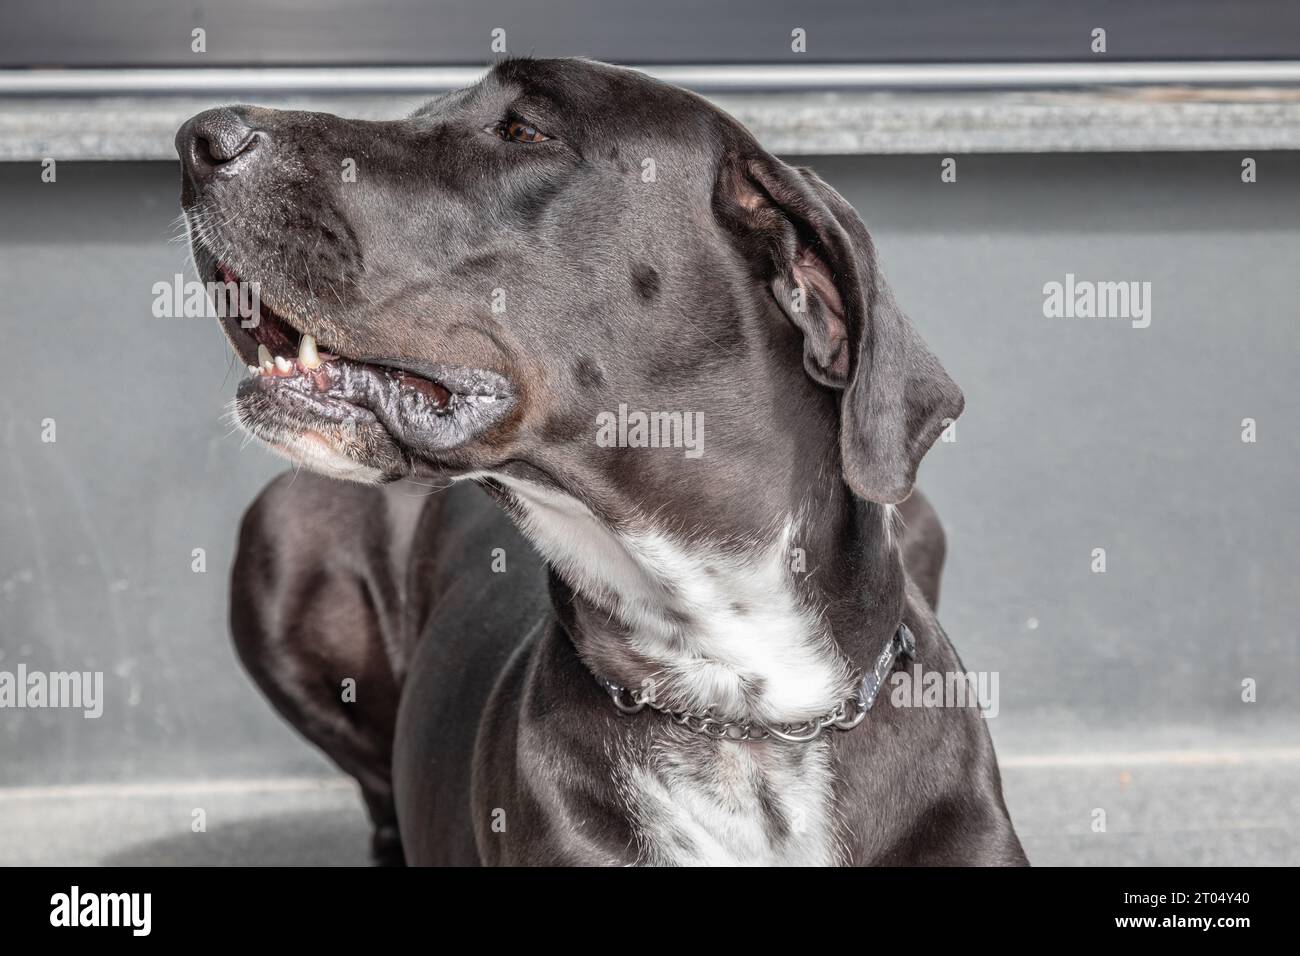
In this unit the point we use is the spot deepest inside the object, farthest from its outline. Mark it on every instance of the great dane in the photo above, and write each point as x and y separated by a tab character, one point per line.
657	557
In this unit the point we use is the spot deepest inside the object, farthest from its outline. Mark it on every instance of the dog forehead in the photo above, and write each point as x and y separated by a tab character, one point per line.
598	98
573	82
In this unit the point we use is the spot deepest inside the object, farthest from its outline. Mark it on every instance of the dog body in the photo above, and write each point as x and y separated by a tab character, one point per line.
509	266
505	750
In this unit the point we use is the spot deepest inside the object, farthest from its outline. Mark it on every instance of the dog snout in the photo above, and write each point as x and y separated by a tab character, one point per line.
218	140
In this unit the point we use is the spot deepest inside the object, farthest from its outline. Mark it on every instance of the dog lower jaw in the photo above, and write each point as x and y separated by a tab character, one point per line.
360	450
313	451
363	421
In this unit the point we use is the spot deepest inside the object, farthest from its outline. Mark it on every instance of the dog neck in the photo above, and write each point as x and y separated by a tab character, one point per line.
772	626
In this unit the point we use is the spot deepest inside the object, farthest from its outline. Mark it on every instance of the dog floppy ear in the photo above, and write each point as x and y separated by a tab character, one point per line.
896	397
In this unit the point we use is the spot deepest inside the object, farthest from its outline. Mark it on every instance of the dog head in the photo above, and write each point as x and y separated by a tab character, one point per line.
474	289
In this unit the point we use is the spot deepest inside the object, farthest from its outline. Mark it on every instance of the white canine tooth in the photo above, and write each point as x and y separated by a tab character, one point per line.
263	356
308	357
282	363
253	369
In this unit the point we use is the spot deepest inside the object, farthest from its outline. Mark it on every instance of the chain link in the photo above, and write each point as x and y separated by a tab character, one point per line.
846	715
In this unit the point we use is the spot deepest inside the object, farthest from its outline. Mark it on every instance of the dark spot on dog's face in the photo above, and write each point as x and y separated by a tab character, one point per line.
561	427
645	280
588	373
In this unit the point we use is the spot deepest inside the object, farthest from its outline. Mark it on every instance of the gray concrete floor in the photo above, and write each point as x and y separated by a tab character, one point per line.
289	821
1179	807
1213	813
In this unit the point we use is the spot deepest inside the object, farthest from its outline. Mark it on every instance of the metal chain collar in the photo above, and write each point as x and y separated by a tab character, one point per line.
846	715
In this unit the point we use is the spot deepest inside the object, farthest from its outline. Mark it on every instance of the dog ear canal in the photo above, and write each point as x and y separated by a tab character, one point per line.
896	397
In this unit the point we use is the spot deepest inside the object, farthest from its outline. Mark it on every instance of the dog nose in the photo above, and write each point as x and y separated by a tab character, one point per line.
213	139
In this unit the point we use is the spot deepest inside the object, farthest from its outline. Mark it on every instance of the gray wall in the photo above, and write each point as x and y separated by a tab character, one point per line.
1079	434
77	33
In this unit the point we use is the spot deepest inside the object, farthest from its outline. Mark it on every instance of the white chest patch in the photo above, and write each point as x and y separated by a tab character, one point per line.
734	805
725	629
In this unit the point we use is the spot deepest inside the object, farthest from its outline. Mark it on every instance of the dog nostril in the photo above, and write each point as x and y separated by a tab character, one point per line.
219	151
214	138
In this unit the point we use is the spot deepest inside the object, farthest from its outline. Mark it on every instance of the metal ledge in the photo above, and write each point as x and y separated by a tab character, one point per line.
224	81
134	114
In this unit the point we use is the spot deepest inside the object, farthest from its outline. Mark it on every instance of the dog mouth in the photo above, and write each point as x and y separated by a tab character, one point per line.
301	394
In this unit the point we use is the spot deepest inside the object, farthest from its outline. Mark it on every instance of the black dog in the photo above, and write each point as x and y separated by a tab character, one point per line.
523	285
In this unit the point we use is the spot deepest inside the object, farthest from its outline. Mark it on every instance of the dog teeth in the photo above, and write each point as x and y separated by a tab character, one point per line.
253	369
283	364
264	357
308	357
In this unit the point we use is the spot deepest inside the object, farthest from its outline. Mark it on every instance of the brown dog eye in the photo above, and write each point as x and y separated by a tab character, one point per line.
517	131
